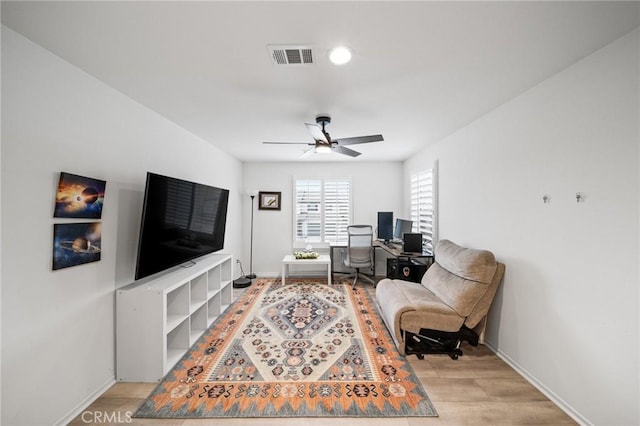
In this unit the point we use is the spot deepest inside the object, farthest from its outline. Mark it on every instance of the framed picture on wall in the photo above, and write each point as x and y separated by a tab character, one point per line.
269	200
79	197
76	243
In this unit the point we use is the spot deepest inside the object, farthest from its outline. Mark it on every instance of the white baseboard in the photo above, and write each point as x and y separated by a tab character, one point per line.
86	402
561	403
300	274
268	275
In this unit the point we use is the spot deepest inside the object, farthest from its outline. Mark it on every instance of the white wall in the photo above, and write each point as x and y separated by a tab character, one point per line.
376	187
567	313
58	326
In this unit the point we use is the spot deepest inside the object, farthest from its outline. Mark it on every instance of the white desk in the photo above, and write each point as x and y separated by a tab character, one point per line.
323	259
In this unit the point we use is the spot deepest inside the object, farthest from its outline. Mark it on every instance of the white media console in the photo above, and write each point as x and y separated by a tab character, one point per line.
158	320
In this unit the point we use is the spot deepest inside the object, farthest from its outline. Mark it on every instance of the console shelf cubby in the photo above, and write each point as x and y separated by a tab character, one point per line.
159	319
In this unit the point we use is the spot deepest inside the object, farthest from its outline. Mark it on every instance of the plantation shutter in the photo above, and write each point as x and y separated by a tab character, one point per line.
423	205
337	210
322	210
308	210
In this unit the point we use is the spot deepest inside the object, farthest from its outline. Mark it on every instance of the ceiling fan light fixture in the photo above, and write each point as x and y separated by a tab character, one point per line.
323	149
323	142
340	55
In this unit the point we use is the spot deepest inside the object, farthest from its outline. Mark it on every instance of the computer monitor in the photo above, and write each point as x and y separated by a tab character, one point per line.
385	226
403	226
412	243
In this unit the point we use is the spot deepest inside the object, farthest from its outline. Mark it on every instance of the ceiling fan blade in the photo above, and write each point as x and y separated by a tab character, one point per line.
316	132
289	143
359	139
346	151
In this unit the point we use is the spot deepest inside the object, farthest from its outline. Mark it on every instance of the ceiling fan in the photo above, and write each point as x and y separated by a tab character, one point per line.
323	142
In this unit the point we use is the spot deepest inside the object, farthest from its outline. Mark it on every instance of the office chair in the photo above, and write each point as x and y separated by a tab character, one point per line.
359	251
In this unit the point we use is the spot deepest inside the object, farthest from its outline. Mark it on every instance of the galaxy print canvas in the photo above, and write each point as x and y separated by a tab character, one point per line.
76	243
79	197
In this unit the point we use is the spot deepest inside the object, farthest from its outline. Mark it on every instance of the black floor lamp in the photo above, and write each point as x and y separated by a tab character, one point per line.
251	275
245	280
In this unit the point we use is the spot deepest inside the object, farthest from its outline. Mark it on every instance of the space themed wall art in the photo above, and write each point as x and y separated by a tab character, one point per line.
79	197
76	243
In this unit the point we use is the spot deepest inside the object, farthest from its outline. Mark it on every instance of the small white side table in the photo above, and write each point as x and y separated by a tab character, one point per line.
323	259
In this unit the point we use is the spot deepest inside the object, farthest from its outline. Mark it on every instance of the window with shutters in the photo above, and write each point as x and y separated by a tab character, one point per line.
423	205
322	210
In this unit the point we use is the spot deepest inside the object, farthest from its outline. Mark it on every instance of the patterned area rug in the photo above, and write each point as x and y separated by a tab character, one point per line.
302	350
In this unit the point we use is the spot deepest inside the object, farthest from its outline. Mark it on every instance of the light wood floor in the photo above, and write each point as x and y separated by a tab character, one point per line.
477	389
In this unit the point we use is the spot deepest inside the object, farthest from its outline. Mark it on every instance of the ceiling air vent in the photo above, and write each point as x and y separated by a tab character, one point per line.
291	55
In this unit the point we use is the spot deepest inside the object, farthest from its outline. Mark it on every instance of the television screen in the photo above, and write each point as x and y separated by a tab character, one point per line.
403	226
181	221
385	226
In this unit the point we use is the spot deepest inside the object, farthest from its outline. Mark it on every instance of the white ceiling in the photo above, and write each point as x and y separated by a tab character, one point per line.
421	70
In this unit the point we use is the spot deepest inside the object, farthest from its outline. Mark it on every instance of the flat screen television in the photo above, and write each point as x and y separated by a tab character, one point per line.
385	226
181	221
403	226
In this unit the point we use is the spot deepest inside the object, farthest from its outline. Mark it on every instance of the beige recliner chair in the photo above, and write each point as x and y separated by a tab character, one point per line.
448	306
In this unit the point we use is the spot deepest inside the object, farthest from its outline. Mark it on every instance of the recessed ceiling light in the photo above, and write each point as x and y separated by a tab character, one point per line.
340	55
